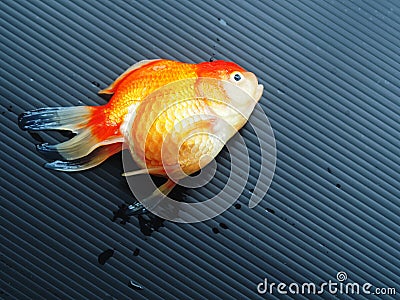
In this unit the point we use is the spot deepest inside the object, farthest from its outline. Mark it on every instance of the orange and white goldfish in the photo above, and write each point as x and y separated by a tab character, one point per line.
169	114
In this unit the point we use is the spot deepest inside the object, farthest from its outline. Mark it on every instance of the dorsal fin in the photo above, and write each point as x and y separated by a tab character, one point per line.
111	88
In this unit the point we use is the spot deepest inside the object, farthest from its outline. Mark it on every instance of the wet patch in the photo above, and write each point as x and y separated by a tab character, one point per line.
223	226
136	252
95	83
238	206
149	223
270	210
104	256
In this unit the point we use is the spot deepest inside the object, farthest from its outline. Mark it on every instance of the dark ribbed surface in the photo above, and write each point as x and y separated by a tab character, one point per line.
331	73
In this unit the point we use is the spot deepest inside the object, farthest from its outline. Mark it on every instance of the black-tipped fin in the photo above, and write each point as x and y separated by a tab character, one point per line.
55	118
95	158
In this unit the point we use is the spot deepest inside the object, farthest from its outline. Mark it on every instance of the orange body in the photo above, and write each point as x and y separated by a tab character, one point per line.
138	82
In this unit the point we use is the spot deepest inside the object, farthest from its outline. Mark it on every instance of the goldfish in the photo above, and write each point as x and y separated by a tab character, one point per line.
174	118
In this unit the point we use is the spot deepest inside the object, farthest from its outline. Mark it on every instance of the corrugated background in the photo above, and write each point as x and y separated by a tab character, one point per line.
331	76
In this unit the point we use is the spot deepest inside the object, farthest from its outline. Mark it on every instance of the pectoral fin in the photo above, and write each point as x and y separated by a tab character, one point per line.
200	126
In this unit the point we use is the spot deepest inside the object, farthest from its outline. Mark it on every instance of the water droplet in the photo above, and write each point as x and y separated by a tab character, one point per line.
238	206
222	22
270	210
135	286
136	252
95	83
280	92
223	225
104	256
212	58
215	230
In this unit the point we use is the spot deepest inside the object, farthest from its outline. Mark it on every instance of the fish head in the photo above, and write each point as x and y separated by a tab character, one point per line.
234	91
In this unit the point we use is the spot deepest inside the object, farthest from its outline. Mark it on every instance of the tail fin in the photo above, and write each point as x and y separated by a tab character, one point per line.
79	152
57	118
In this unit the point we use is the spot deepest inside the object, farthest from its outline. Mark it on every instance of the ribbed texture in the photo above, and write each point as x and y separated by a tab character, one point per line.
331	71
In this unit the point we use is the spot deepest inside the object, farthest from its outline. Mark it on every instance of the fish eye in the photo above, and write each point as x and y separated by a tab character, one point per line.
237	76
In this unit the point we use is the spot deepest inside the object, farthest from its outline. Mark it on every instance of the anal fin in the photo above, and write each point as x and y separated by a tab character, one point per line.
91	160
78	147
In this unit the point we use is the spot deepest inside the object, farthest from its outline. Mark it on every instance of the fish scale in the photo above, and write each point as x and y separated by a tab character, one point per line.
166	108
141	82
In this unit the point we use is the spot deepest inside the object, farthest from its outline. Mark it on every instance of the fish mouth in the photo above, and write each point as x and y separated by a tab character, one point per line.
258	92
254	88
